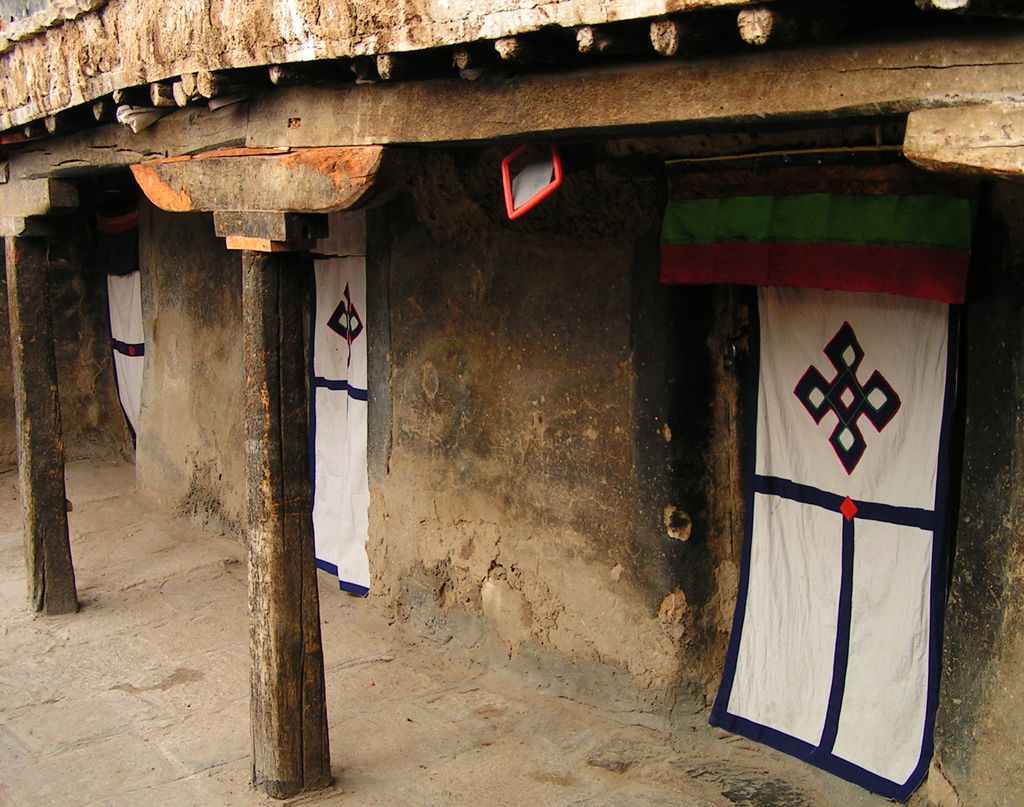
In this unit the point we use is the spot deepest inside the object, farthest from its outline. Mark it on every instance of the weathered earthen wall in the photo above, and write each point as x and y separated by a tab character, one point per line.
90	411
981	713
509	487
190	445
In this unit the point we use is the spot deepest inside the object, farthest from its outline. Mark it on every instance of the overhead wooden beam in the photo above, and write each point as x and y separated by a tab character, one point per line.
673	36
474	55
285	75
51	575
288	706
103	109
979	139
115	146
763	85
37	197
316	180
180	94
161	94
133	96
610	39
210	84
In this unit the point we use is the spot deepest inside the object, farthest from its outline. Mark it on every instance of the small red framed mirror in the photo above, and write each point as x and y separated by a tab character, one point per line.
529	175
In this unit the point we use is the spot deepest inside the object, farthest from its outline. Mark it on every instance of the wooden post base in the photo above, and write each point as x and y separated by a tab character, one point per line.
288	706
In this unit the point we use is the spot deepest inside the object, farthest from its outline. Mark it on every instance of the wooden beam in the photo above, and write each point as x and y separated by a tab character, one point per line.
285	75
610	39
51	575
756	87
319	180
270	226
979	139
474	55
37	197
670	36
288	706
28	227
515	49
210	84
46	72
181	97
133	96
115	146
103	109
763	25
394	66
34	130
241	242
161	94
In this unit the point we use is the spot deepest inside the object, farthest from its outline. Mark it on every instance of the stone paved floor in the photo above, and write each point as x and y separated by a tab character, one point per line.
141	698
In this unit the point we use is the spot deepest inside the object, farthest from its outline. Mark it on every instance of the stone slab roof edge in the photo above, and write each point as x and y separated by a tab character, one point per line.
123	43
56	12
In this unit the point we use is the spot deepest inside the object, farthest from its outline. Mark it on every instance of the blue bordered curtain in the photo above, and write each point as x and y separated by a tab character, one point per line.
835	651
117	254
338	404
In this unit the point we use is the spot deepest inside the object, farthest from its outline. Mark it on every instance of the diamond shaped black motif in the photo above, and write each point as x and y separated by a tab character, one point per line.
847	398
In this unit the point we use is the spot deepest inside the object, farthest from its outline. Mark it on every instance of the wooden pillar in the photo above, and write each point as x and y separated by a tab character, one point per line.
51	576
288	705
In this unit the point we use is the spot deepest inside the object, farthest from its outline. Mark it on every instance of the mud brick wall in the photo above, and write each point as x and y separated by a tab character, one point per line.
530	432
190	445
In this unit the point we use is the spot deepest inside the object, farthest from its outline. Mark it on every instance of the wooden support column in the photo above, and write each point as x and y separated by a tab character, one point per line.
51	576
288	706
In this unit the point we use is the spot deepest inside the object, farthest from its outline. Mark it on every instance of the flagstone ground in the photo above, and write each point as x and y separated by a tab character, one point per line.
142	697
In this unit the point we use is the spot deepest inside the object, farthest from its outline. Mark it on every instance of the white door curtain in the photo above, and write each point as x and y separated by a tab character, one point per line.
835	651
338	404
117	254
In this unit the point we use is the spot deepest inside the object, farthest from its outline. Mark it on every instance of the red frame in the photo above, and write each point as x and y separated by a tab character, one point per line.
544	193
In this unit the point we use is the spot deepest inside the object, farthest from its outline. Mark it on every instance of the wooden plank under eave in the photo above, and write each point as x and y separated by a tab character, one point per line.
977	140
115	146
266	244
837	81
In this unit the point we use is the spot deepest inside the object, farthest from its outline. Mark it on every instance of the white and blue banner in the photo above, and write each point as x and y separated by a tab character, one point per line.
127	342
836	643
117	254
338	403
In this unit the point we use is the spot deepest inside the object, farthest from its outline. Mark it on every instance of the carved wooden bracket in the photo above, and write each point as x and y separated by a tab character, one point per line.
300	180
36	197
269	232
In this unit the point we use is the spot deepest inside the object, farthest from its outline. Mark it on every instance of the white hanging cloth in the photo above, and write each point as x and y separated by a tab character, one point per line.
338	424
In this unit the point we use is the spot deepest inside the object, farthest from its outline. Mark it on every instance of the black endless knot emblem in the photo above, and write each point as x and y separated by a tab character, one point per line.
847	397
345	321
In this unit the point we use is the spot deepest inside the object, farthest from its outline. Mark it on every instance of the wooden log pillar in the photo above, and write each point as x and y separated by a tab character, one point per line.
288	706
51	576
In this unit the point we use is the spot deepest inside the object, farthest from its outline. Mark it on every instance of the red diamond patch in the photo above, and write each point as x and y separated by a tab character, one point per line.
848	509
